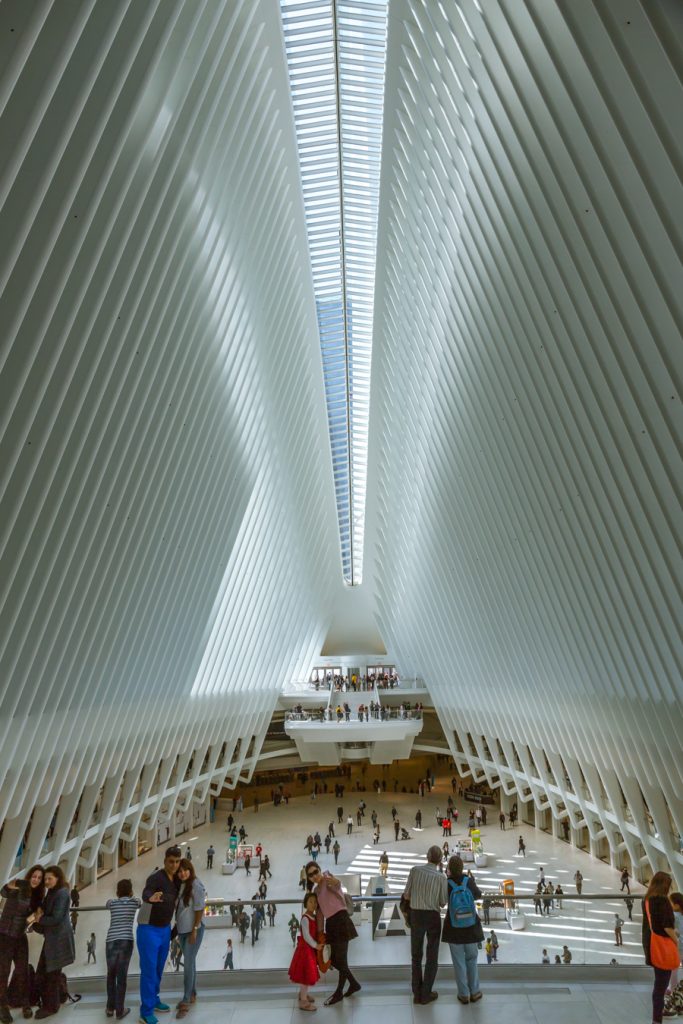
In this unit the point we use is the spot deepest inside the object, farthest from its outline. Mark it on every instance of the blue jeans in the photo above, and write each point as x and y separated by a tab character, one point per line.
118	954
190	950
153	945
464	959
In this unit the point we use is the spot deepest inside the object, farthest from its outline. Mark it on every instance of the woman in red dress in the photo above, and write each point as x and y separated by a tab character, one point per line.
303	970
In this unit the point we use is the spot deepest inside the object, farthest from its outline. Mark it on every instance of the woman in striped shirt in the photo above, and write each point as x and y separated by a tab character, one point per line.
119	946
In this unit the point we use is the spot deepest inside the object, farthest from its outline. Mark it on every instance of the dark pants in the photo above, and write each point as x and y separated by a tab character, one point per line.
661	982
118	954
14	950
48	986
340	962
424	923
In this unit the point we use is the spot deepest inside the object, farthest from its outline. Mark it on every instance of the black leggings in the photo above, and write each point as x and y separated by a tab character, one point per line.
658	993
340	962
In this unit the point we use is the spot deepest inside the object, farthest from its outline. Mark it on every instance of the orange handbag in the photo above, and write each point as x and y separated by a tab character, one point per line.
663	950
324	956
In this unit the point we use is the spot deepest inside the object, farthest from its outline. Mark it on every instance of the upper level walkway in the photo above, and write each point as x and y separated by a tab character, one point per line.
354	725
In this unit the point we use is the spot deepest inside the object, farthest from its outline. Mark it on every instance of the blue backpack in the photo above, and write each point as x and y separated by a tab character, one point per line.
461	909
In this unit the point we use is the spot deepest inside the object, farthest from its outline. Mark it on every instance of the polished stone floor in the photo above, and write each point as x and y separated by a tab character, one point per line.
502	1004
585	926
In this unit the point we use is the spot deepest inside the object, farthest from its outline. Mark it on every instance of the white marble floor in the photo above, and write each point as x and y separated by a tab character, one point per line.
586	927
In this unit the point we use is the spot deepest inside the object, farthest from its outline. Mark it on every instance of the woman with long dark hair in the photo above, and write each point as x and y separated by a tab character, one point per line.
188	919
658	925
52	921
339	928
22	899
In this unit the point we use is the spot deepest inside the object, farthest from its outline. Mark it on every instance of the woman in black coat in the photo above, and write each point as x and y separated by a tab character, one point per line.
22	899
52	921
463	941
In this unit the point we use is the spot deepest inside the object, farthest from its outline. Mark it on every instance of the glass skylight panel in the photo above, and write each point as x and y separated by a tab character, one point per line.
336	53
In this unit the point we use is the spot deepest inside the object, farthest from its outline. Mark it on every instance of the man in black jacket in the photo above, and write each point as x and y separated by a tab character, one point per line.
159	898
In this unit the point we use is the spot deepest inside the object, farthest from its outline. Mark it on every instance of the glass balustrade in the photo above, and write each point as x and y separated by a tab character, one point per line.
525	926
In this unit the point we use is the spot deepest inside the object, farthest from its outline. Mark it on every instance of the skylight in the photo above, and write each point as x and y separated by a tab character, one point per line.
336	53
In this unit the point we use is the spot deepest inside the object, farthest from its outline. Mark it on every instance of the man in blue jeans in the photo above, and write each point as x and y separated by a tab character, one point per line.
463	932
154	933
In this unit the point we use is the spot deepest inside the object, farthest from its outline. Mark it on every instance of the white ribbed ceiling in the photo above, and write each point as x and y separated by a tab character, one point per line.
169	514
526	418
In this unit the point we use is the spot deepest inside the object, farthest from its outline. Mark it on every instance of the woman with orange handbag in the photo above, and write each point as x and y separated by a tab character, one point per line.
659	938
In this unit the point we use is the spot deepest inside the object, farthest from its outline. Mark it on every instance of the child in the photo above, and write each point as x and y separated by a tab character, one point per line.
303	970
488	946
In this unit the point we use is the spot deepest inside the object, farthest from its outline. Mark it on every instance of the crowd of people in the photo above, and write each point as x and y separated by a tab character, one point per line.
354	682
343	712
174	897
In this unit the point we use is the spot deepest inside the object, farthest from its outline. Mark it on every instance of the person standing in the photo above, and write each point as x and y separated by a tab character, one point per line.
559	893
303	970
118	946
293	926
228	962
494	945
578	881
22	900
339	928
625	877
384	864
52	921
618	925
462	931
188	919
247	864
328	843
210	854
427	891
397	828
349	825
335	850
154	933
375	835
501	819
658	919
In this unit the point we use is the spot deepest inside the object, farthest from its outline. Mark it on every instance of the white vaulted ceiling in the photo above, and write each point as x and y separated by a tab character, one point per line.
526	411
169	524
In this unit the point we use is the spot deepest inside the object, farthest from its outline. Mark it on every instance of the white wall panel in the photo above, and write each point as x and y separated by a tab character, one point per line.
526	422
162	410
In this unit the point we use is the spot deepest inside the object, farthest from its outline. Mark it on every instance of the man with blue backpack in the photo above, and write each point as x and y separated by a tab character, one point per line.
426	892
462	931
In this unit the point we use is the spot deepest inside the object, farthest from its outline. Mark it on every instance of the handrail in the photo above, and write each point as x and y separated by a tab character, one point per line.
396	897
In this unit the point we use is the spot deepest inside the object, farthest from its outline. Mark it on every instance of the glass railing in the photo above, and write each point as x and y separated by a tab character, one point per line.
329	715
530	929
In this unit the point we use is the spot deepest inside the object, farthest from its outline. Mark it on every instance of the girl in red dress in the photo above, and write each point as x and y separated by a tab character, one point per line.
303	970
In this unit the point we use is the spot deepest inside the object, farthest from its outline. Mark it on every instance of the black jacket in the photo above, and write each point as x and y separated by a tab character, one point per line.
463	936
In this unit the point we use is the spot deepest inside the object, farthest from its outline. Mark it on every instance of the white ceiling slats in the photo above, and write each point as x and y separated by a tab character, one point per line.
526	424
